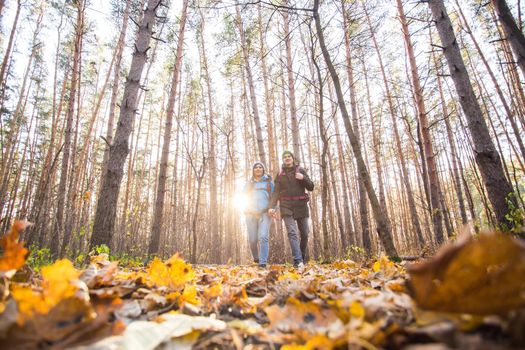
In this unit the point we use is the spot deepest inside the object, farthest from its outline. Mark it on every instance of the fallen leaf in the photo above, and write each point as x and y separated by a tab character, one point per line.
479	275
14	254
175	273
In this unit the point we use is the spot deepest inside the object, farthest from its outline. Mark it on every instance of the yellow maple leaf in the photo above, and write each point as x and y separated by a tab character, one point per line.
190	295
175	273
14	254
58	283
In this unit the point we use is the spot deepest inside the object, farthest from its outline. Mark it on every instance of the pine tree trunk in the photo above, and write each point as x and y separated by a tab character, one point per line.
324	152
251	86
363	205
105	216
291	84
514	35
508	110
8	146
116	81
158	215
428	148
488	160
7	53
382	221
58	229
414	216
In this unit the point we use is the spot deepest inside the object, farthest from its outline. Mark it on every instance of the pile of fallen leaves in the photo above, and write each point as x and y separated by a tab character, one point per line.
473	293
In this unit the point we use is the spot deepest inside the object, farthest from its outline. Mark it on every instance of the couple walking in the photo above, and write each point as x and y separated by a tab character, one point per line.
289	190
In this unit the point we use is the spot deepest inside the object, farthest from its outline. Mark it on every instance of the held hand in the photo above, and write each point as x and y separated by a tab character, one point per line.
299	176
271	213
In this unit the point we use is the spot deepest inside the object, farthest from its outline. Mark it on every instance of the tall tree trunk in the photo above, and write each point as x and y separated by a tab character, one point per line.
291	84
433	180
414	216
106	212
70	112
512	31
382	221
273	164
116	82
8	146
508	110
214	230
324	152
7	53
158	215
487	158
349	229
251	86
363	205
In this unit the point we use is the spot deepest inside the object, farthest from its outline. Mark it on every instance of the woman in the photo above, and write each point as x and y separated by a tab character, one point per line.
258	191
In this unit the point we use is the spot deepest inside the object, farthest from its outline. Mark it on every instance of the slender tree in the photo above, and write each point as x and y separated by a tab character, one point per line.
514	34
382	221
427	143
499	190
158	215
105	216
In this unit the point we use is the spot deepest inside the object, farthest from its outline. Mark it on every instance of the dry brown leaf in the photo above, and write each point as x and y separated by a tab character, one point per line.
482	275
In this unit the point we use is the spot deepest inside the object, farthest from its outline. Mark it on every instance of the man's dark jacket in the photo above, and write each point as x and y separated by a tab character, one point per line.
288	190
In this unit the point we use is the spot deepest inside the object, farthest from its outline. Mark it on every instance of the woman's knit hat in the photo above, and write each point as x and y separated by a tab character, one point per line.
261	164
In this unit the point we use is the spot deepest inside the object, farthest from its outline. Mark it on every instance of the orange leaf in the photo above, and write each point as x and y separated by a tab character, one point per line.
14	253
481	275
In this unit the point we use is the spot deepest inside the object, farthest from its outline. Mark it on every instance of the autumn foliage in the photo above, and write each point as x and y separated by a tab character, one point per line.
340	305
14	254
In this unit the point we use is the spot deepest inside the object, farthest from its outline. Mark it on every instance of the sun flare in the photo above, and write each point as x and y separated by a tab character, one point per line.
240	201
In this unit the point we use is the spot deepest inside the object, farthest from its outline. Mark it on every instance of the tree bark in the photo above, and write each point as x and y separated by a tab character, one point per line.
251	86
382	221
64	172
158	215
105	216
428	148
514	35
363	205
116	82
414	216
291	84
487	158
7	53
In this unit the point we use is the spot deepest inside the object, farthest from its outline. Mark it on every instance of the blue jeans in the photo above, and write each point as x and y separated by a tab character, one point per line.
258	232
298	237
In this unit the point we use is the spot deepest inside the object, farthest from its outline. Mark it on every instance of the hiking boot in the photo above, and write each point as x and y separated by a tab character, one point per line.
299	267
262	266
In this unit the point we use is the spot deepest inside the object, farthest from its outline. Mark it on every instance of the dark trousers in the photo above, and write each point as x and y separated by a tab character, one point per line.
298	237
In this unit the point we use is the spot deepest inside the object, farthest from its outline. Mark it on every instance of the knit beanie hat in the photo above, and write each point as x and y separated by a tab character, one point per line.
288	152
261	164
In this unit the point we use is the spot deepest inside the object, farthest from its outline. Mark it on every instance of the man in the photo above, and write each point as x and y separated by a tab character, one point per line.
290	191
258	191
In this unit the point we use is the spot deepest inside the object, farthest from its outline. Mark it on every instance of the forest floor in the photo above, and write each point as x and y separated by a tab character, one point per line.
344	305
